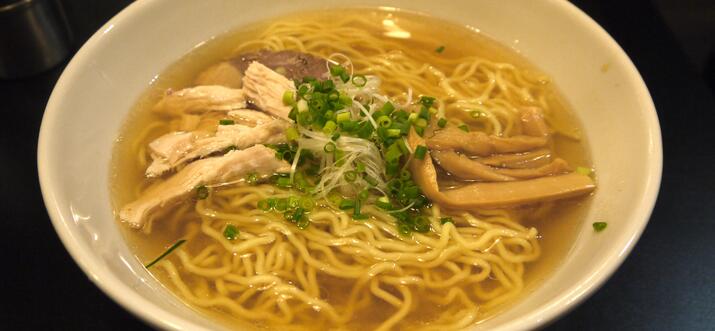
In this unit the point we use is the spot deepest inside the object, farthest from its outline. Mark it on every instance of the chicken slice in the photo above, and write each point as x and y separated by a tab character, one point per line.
201	99
265	88
481	144
249	117
227	136
258	159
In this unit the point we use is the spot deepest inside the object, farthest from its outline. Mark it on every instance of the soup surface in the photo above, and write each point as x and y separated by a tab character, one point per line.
293	251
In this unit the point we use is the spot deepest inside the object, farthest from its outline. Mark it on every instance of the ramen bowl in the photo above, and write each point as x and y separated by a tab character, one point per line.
103	81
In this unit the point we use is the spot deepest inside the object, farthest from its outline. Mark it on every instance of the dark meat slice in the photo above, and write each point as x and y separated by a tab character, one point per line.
291	64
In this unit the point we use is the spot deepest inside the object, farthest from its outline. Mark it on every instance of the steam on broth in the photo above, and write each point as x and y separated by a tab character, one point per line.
424	179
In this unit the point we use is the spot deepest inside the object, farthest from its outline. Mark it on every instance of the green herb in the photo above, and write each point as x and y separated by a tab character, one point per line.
442	122
599	226
265	205
226	122
230	232
439	49
350	176
230	148
292	134
464	128
329	148
445	220
346	204
420	152
202	192
359	80
252	178
167	252
288	98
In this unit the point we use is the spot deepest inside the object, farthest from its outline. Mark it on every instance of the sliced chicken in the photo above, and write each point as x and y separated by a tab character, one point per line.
481	144
531	159
233	165
235	136
249	117
225	73
265	88
201	99
495	195
466	168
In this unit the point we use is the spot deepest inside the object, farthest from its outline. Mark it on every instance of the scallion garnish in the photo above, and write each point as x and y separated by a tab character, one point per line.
445	220
464	128
599	226
359	80
329	147
420	152
442	122
230	232
288	98
350	176
439	49
292	134
202	192
226	122
167	252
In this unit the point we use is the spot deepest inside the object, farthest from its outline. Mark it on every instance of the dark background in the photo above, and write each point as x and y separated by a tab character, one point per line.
667	283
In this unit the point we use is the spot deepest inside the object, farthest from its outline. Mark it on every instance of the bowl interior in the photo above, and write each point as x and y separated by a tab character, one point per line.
99	86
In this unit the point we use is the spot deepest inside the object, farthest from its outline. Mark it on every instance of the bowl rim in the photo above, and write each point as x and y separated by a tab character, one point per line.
149	312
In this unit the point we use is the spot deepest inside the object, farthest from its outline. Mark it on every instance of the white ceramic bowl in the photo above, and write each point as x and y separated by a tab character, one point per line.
103	80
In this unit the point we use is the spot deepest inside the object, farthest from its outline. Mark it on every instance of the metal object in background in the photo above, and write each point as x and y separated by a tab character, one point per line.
34	36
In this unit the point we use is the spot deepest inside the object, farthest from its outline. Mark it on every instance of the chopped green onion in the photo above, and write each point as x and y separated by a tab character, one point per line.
230	148
167	252
420	152
427	101
283	182
231	232
421	224
202	192
405	174
307	203
359	80
302	106
413	117
329	127
424	113
346	204
288	98
439	49
302	223
384	121
403	229
335	136
421	123
343	117
584	171
264	205
360	217
363	195
445	220
360	167
393	133
442	122
350	176
329	147
293	202
370	180
226	122
281	205
599	226
252	178
345	100
464	128
292	134
387	108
